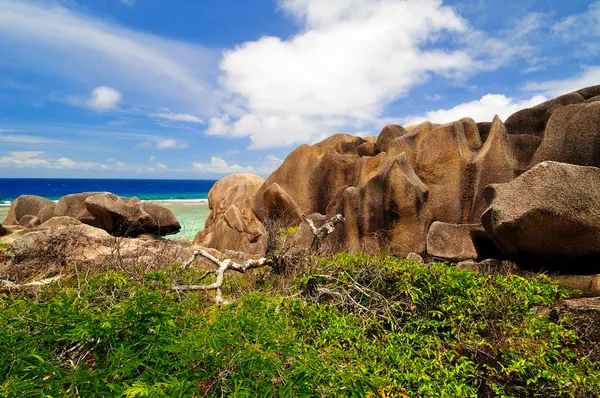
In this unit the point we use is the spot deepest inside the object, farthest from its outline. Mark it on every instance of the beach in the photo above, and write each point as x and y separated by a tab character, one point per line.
191	216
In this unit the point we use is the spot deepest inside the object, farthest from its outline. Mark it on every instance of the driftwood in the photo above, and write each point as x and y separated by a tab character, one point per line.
224	266
319	234
14	287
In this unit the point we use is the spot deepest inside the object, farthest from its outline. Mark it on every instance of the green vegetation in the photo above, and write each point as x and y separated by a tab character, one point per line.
347	326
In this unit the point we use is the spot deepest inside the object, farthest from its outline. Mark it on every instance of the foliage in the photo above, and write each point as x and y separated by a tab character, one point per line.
356	326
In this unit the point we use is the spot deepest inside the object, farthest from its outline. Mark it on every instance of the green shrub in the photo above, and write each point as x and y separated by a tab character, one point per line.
356	326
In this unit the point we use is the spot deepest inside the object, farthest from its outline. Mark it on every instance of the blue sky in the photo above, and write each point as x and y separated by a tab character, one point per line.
205	88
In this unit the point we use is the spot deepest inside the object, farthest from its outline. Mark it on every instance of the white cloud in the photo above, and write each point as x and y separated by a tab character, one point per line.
41	37
178	117
273	158
120	164
23	159
104	98
152	158
25	155
482	110
169	143
219	166
128	3
350	61
590	76
162	166
576	26
66	162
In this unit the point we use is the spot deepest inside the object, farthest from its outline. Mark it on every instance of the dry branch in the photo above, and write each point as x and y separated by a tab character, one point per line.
14	287
224	266
319	234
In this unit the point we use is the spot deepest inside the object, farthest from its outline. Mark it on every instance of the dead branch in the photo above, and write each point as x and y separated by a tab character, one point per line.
321	233
14	287
224	266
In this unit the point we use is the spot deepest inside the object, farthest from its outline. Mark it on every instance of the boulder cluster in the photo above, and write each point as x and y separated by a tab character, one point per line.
116	215
527	189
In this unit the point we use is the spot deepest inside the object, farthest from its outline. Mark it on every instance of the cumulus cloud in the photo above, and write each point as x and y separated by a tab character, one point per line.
482	110
590	76
219	166
66	162
352	59
24	159
162	166
178	117
104	98
25	155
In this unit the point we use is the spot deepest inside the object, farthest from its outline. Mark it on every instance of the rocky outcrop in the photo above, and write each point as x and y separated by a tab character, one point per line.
390	210
27	205
391	187
232	224
118	216
130	217
549	216
452	242
74	206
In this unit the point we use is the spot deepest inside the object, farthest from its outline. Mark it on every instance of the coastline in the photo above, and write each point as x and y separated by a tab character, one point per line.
191	213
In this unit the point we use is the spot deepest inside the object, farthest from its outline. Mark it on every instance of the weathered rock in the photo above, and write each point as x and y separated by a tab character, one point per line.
130	217
281	206
452	242
468	265
572	135
409	143
314	176
344	144
441	164
388	134
29	221
42	252
415	257
58	222
74	206
367	149
26	205
533	120
232	223
390	211
549	216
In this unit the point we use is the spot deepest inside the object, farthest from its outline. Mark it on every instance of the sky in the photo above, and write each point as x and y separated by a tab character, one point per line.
199	89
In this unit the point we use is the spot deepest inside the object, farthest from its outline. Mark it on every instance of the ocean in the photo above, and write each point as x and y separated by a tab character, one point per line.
186	198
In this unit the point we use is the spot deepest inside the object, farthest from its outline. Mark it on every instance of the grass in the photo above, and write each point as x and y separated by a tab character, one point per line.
351	325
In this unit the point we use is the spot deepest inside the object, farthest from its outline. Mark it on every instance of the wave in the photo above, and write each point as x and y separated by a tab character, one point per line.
5	203
196	201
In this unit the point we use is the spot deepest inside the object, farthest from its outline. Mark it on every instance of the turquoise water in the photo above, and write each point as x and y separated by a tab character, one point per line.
186	198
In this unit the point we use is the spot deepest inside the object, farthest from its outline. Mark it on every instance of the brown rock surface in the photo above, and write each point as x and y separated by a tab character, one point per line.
26	205
452	242
74	206
390	211
549	216
572	136
130	217
367	149
232	224
388	134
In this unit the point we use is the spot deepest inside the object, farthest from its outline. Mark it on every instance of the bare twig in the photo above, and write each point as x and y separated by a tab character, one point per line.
321	233
224	266
14	287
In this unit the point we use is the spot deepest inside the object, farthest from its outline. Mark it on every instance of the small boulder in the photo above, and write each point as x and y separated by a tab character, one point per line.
452	242
29	221
367	149
74	206
388	134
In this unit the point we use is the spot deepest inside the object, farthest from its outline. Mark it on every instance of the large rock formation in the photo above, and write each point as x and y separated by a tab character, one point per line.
549	216
27	206
118	216
231	223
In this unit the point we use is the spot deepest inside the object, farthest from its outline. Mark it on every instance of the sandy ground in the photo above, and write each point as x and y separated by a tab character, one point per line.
191	216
